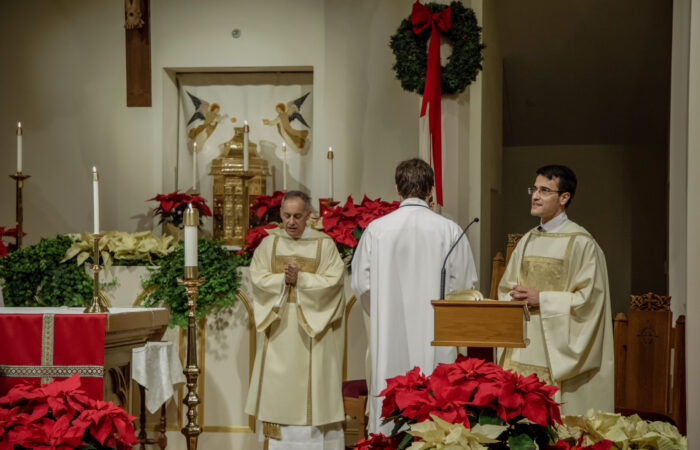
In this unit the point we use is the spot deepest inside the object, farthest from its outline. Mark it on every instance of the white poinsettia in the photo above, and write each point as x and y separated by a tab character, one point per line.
439	434
625	432
142	246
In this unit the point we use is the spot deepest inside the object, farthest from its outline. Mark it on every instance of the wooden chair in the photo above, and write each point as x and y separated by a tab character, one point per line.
499	264
650	361
355	392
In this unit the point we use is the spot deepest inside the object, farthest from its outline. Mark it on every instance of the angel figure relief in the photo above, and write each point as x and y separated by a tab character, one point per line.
134	16
297	140
209	114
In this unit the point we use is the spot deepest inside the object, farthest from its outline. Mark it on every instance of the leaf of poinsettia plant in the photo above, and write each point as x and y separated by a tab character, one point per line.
489	417
521	442
405	442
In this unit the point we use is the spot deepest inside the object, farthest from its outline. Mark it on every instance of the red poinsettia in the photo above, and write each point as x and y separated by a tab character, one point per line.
377	441
514	395
325	205
345	224
59	415
172	206
265	202
469	391
108	424
9	233
411	382
600	445
254	237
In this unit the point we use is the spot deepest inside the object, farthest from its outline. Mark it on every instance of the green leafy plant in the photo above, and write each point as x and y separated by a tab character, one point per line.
216	265
35	276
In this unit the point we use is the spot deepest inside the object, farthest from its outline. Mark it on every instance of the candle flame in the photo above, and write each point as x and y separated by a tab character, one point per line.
19	124
94	169
330	149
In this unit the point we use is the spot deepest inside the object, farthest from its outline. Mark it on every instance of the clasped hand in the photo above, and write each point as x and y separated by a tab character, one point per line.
291	272
525	293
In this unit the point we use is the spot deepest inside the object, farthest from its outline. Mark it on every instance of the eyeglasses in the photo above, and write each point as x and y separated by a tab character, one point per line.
542	190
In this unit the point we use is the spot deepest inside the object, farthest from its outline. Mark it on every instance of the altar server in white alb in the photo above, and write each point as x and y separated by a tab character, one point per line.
295	388
396	273
560	271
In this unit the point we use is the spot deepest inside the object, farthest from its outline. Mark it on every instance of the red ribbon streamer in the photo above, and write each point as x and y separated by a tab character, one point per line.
422	18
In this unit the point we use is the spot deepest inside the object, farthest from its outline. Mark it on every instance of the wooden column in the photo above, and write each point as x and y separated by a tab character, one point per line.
138	57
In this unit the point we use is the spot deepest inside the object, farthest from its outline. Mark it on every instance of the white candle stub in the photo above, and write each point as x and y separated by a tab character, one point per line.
246	130
284	166
19	147
95	201
190	239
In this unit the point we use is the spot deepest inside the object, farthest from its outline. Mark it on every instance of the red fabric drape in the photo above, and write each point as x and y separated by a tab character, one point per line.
422	18
41	347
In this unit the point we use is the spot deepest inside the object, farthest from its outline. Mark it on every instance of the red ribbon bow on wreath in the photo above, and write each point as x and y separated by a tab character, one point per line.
422	18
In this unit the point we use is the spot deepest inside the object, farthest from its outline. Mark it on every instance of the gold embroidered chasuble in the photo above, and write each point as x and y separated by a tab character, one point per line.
297	374
571	341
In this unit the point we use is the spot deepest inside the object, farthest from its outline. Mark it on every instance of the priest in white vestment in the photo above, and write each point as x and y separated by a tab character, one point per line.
559	269
298	304
396	273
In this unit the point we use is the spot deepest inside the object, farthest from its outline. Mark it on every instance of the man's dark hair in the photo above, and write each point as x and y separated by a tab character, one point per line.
298	194
567	179
414	178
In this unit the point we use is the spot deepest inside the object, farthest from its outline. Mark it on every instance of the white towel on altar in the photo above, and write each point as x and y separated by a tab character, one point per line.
157	368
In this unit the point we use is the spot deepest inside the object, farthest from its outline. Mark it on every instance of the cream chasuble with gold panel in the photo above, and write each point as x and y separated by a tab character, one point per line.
297	374
571	340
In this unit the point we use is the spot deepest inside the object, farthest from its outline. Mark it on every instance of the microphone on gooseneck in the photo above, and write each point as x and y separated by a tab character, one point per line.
444	263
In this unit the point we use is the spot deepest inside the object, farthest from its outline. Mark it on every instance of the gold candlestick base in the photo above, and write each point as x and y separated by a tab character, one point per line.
19	178
99	303
192	430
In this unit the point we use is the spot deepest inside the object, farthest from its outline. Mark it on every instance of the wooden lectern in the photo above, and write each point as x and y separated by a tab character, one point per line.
480	323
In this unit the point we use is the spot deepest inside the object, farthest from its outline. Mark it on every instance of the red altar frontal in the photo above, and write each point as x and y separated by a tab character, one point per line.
42	344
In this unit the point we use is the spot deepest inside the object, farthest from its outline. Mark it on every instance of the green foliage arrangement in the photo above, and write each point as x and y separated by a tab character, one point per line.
35	276
216	265
411	51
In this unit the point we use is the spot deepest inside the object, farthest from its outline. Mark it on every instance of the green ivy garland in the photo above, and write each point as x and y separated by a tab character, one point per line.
216	265
35	276
411	51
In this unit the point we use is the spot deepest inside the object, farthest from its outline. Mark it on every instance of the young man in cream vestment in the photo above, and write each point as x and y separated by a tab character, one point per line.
295	388
560	271
395	275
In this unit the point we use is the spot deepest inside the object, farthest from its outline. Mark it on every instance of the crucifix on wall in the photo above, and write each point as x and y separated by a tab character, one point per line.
138	52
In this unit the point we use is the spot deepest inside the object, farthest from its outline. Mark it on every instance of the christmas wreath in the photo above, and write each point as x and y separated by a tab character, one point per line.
411	51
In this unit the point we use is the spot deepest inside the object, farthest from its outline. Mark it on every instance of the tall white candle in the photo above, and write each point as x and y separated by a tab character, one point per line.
330	172
194	167
190	241
246	130
19	147
284	166
95	201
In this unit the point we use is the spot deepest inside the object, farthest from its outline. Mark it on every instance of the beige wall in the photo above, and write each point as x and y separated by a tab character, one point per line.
491	144
67	86
620	199
65	80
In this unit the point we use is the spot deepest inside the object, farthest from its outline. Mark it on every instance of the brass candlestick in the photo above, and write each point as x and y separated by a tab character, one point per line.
99	301
191	282
19	178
